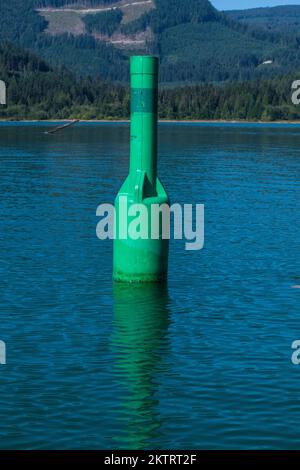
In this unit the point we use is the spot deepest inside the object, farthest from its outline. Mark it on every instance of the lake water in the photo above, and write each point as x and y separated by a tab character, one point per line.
201	363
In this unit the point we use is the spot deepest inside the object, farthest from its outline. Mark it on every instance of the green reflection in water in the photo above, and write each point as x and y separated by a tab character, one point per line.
141	321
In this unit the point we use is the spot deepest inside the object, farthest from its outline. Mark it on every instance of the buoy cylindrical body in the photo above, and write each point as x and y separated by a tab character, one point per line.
143	125
146	258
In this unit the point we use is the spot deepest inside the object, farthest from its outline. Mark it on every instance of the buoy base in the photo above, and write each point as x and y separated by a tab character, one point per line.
139	278
140	260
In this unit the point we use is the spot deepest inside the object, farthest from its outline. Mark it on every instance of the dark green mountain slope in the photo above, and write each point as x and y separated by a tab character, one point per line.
195	42
231	55
37	91
282	19
20	24
169	13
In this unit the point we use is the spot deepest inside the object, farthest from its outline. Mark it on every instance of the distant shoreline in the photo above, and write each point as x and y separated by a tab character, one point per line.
161	121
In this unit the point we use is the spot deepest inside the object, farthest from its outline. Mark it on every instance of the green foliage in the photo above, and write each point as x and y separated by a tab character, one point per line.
194	41
197	43
84	55
179	43
283	19
36	91
266	100
170	13
19	22
104	23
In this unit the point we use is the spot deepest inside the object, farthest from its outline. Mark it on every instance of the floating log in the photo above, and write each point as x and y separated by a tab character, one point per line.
64	126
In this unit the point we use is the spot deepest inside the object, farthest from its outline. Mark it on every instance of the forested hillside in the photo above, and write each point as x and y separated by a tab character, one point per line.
20	24
194	41
282	19
104	23
37	91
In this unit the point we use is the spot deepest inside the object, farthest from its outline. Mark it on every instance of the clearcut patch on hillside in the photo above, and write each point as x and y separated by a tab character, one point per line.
64	22
69	19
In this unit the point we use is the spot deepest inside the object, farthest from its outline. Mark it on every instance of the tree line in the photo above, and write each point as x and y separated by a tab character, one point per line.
37	91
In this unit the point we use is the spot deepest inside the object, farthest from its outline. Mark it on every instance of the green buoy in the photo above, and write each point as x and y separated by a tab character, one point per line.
143	259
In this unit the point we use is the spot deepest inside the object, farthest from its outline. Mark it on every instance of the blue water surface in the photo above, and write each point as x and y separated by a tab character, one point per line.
204	362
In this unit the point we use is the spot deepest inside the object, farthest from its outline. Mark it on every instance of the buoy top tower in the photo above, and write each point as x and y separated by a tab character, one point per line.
143	134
